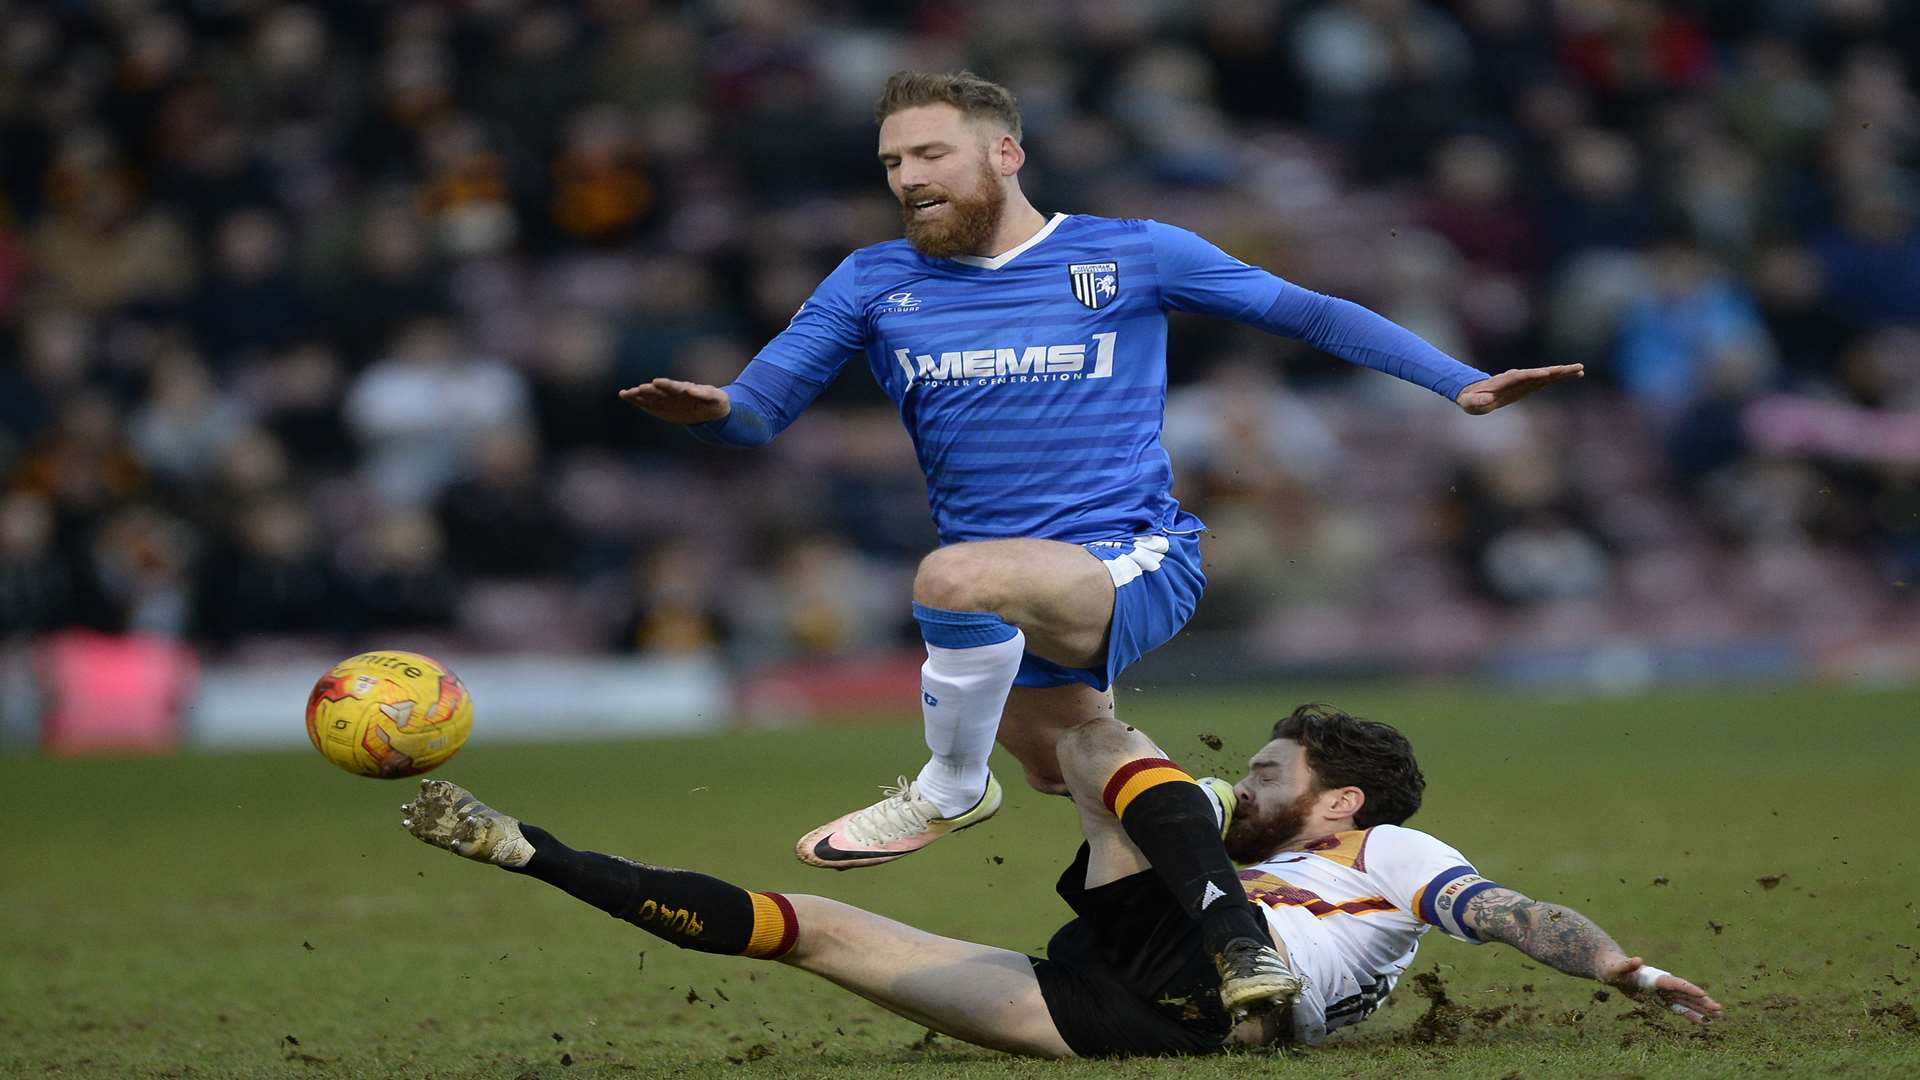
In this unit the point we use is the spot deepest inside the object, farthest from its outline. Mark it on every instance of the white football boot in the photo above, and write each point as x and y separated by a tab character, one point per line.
893	828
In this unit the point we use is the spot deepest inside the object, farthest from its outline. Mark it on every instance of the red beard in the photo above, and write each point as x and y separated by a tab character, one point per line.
965	228
1251	840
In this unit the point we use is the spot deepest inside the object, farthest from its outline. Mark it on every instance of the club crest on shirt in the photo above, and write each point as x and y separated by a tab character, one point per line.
1094	284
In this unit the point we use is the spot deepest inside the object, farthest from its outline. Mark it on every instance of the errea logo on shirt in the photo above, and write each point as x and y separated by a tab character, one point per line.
1025	363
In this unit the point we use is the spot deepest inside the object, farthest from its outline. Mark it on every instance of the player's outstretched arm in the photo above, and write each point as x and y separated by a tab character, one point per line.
1566	940
1510	386
679	402
749	411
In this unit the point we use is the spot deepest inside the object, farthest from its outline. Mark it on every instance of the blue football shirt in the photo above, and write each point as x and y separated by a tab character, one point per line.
1034	383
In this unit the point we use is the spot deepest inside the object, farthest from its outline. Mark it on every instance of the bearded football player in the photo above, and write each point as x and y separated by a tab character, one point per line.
1343	890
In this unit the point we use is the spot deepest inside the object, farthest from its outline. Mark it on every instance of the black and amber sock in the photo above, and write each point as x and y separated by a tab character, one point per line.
1170	819
690	910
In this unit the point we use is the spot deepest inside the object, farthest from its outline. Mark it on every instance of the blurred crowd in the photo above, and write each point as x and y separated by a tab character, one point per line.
311	315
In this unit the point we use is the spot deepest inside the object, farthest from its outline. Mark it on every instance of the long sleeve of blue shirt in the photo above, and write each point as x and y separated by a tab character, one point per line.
795	366
765	398
1197	276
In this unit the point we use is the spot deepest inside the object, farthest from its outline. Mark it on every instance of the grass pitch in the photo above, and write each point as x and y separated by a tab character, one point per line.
265	915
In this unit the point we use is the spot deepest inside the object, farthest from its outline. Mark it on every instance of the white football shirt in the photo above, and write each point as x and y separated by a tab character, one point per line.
1351	909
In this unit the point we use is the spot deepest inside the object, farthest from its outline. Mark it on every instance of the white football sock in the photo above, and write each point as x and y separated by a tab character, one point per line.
962	693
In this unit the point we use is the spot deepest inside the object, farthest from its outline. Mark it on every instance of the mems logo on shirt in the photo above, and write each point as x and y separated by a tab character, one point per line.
1025	363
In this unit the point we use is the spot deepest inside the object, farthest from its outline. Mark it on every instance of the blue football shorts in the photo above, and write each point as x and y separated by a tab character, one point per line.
1157	582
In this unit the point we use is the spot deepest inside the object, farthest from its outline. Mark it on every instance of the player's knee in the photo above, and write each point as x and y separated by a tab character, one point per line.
955	578
1091	750
1047	781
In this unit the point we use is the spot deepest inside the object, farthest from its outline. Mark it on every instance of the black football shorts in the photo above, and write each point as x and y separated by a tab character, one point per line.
1128	977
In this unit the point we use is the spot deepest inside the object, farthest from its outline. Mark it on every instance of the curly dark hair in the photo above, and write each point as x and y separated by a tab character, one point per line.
971	94
1346	751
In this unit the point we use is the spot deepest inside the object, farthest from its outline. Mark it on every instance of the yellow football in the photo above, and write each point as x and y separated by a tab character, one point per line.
388	714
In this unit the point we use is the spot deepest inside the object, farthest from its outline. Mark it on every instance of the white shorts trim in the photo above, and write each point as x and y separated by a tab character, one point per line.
1146	556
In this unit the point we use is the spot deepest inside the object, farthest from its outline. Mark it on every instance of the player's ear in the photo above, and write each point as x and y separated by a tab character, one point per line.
1347	802
1008	155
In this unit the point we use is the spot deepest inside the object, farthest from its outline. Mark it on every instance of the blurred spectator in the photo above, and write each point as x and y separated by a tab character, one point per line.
1598	199
143	559
1526	539
1708	435
41	588
255	463
205	164
1513	48
1256	456
1633	53
249	299
1165	99
396	577
1872	259
466	194
97	247
273	580
1354	53
414	89
536	76
1772	101
155	50
298	398
674	308
55	359
499	519
1688	322
821	600
675	607
83	462
600	190
1790	286
1473	205
417	411
293	69
186	423
390	280
575	380
1718	189
1244	43
1240	436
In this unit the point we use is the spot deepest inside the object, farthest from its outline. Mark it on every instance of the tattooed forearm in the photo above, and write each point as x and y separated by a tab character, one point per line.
1558	936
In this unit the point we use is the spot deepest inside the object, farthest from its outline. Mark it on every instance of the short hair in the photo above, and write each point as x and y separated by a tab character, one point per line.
1345	751
974	96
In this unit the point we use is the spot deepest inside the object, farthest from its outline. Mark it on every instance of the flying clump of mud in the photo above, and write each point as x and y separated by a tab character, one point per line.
1444	1019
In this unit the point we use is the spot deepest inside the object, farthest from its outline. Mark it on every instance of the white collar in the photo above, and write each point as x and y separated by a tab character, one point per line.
1011	254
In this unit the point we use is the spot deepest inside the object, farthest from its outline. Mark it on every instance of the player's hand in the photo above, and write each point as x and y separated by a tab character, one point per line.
1510	386
679	402
1677	994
